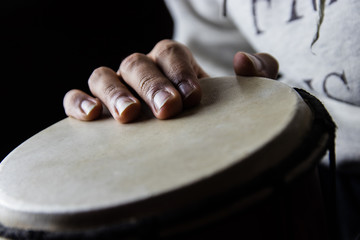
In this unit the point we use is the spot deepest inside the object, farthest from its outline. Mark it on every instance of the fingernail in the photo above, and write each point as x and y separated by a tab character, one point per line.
186	89
256	62
160	98
87	106
123	103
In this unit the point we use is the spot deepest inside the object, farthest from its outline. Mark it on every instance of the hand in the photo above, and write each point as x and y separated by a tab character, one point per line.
166	79
259	65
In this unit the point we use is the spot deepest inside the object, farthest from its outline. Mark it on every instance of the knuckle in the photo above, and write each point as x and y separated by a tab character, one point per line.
97	74
101	86
166	47
71	93
112	92
164	43
180	75
131	61
69	97
180	68
148	84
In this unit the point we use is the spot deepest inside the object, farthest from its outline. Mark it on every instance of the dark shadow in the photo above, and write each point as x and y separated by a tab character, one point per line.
50	47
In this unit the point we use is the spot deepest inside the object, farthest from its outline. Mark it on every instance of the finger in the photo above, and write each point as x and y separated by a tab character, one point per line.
81	106
179	66
141	73
105	84
260	64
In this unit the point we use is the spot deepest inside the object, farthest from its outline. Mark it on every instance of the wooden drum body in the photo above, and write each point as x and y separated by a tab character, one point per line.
238	155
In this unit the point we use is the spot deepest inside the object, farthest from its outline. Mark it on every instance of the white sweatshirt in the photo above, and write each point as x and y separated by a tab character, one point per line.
285	29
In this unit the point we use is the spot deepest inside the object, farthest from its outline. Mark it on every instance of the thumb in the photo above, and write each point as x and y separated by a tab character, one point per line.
259	64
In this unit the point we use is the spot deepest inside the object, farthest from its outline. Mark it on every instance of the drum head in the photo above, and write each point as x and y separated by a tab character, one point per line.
78	175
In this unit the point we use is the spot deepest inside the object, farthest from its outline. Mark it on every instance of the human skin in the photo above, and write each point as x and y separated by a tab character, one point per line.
166	79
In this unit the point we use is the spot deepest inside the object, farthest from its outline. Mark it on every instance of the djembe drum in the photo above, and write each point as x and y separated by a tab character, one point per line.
242	163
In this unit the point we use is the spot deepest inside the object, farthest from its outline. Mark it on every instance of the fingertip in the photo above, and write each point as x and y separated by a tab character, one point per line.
271	65
127	109
91	109
259	64
81	106
244	64
191	94
167	103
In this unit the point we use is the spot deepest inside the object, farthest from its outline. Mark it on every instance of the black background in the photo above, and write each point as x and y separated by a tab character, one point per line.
49	47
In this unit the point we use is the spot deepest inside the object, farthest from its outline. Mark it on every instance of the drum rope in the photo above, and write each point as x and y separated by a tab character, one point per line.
322	116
